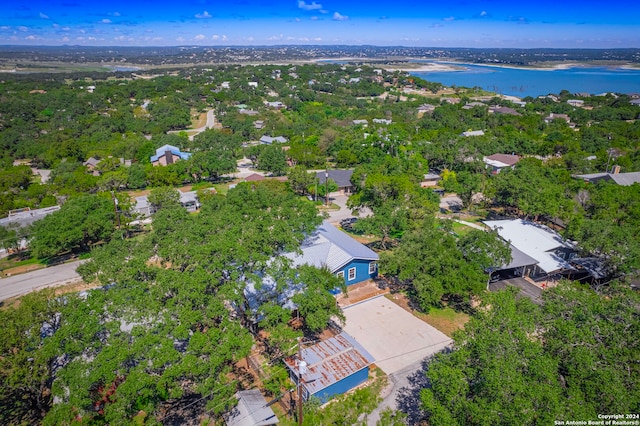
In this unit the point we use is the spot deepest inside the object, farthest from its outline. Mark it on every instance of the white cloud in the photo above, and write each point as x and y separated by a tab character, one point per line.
115	14
323	11
65	39
180	39
199	37
80	38
105	21
31	37
297	20
215	37
338	17
317	39
23	28
43	16
314	18
66	29
311	6
224	37
274	38
449	19
5	27
204	15
483	13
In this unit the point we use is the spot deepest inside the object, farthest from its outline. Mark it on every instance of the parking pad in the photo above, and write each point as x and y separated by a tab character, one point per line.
392	335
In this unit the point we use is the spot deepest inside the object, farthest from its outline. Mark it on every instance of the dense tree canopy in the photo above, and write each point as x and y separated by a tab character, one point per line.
519	363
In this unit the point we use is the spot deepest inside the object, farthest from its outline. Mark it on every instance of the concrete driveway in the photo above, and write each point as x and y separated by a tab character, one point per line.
394	337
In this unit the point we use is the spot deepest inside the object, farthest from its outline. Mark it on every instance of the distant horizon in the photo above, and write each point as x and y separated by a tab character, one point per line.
223	46
477	24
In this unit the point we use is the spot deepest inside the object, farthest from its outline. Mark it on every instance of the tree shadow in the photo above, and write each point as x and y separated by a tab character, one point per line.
408	399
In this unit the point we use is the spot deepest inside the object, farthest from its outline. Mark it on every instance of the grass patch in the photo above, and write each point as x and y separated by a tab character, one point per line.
222	188
446	320
460	229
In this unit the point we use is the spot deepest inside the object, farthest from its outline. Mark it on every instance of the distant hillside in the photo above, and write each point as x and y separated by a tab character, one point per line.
177	55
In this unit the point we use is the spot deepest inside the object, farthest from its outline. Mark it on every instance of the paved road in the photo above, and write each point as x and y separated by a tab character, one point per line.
211	121
46	277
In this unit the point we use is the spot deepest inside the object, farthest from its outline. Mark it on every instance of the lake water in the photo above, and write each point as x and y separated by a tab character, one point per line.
526	82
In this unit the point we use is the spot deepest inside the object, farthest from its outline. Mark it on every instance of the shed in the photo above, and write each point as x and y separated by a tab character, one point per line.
333	367
252	410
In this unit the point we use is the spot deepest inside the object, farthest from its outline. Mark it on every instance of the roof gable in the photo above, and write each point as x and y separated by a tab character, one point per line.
330	247
330	361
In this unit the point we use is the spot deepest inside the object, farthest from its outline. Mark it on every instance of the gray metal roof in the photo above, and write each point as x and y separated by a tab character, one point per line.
519	259
535	240
341	177
624	179
27	216
251	410
330	361
330	247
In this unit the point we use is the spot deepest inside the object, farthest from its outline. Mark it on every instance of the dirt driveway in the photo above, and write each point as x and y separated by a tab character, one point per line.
392	335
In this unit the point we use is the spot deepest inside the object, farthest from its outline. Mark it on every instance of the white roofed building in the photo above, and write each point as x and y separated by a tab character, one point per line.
551	252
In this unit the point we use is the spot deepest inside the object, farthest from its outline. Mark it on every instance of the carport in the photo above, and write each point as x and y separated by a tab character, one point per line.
392	335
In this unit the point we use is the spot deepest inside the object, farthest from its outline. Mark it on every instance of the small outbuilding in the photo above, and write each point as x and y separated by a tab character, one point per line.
331	367
252	410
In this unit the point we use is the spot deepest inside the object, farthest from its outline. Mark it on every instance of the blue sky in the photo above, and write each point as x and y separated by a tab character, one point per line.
427	23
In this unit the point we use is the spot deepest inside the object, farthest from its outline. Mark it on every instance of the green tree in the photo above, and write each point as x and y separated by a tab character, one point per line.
80	223
300	180
434	265
273	160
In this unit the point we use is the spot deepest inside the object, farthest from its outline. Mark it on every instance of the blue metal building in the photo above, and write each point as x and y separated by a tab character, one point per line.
333	367
344	256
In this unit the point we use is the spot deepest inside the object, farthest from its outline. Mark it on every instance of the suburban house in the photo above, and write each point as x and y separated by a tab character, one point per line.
624	179
268	140
470	105
91	165
551	117
331	367
363	123
168	154
497	162
26	216
503	110
252	410
254	177
549	250
258	124
576	102
188	200
276	105
345	257
430	179
426	109
473	133
342	178
384	121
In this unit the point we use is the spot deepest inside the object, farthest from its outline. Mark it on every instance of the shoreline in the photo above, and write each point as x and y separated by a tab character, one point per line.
416	65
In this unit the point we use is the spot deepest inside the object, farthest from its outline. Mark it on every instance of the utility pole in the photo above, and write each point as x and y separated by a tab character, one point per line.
326	185
115	208
302	369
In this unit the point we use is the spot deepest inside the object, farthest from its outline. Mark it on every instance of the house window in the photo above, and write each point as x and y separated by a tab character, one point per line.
352	274
340	275
372	268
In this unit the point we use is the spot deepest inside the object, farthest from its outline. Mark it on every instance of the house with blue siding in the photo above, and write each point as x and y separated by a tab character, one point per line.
331	367
329	247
